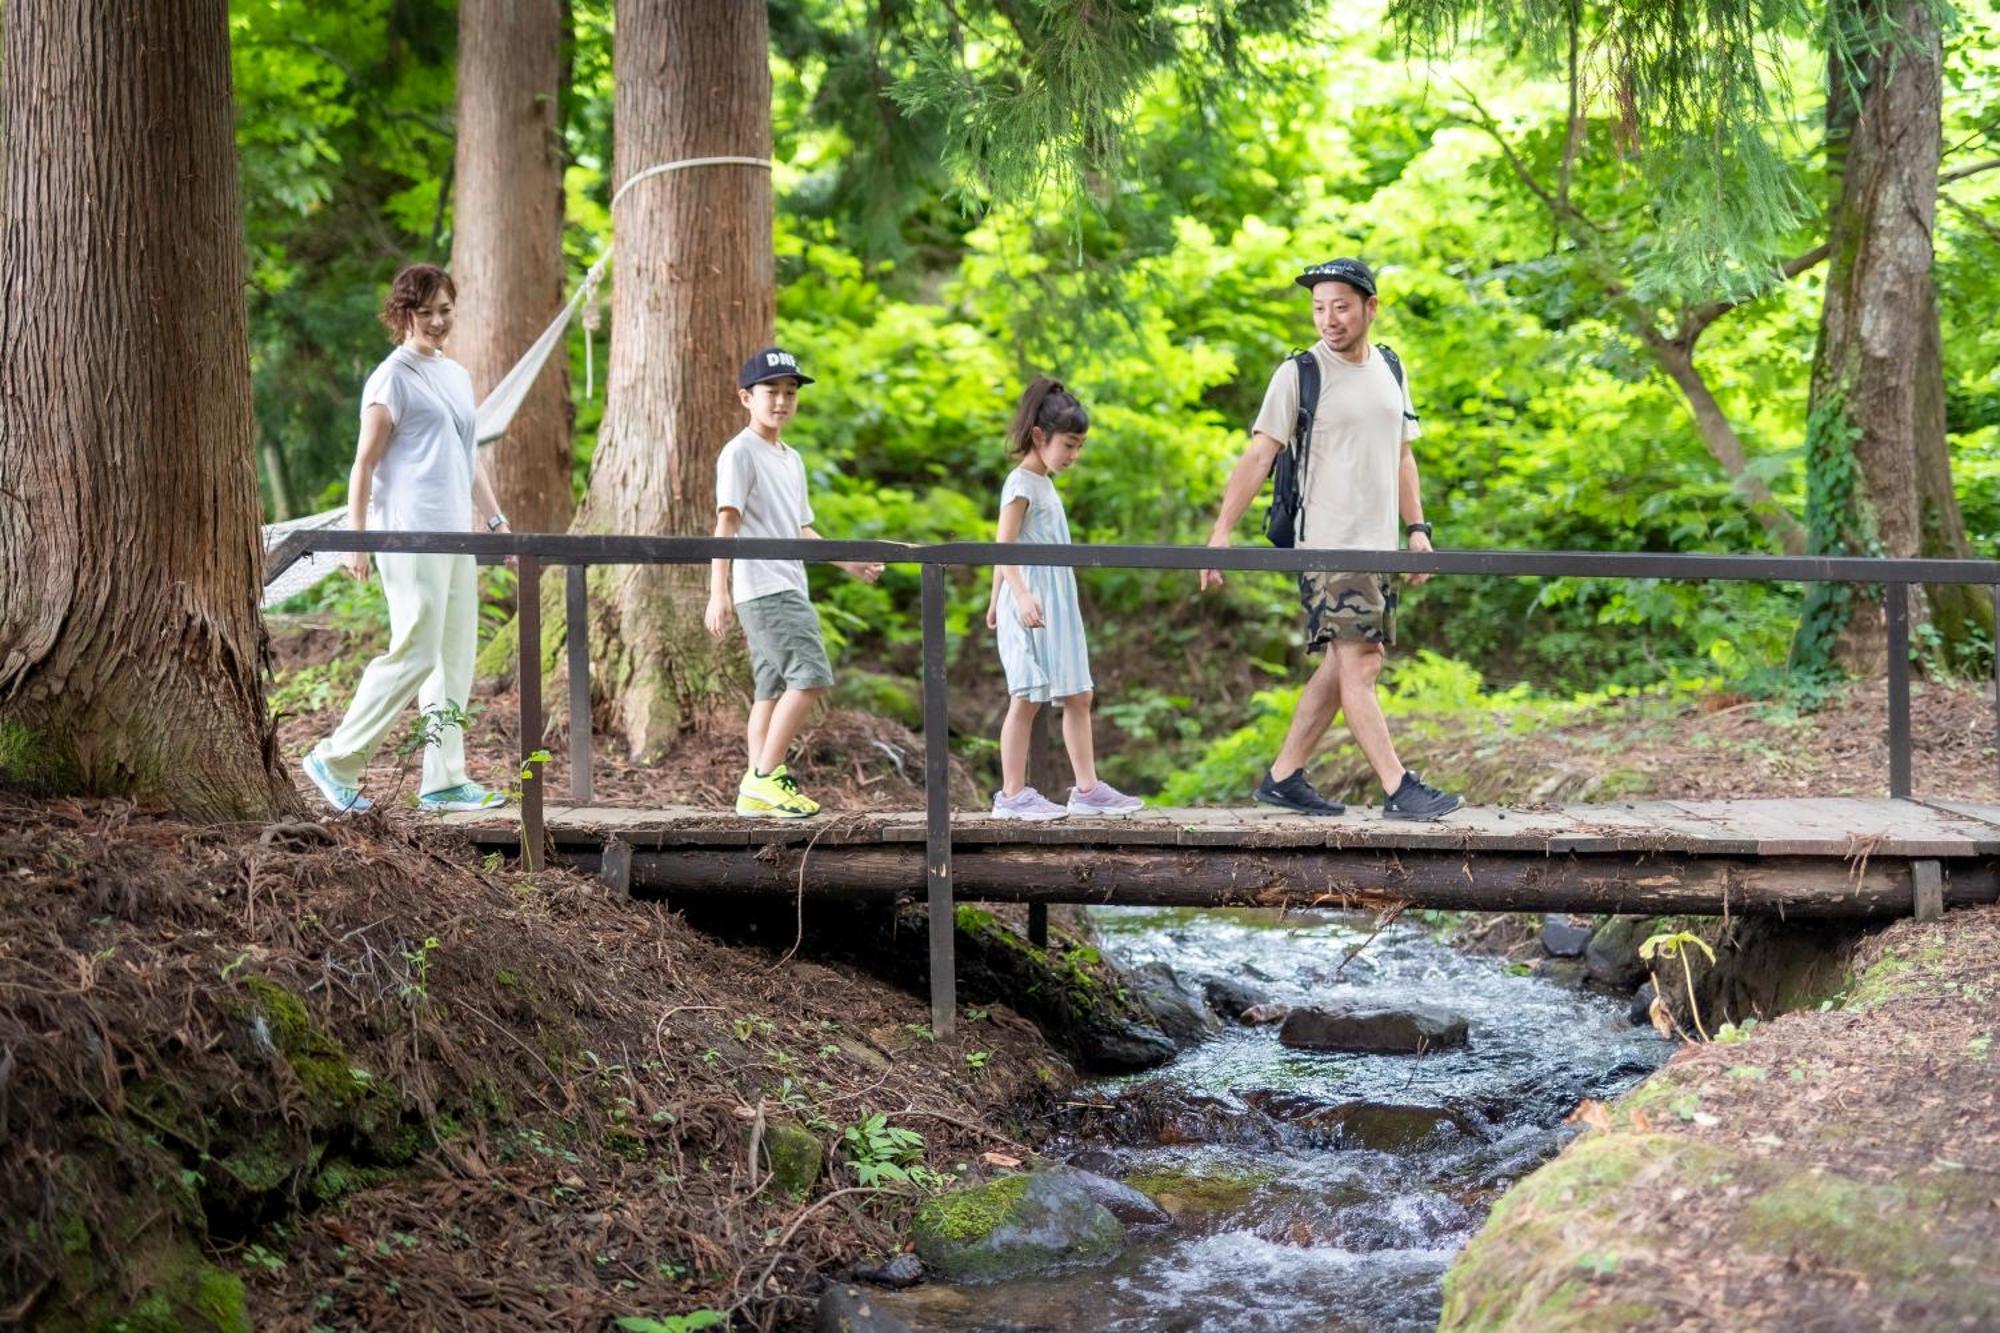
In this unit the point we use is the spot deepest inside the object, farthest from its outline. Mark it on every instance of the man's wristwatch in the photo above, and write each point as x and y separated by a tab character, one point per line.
1414	528
496	522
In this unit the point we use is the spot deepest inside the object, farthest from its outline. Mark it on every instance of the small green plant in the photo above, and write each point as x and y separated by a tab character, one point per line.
976	1060
418	961
881	1153
1675	944
1731	1033
673	1323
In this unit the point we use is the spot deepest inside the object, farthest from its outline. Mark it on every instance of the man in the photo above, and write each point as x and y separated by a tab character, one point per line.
1359	474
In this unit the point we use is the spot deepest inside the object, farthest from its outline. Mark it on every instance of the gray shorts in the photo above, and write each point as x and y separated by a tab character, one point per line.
786	652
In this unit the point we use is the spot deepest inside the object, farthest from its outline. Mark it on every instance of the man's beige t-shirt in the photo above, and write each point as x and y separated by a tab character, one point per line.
1357	447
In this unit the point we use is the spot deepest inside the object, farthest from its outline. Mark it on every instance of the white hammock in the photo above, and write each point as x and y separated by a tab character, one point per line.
493	415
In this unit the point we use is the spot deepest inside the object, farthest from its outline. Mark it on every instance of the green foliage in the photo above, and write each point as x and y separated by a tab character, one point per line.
673	1323
879	1153
1131	186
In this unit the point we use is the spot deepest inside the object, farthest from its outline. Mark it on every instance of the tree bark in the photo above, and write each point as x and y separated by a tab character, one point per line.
131	648
1879	475
692	297
506	248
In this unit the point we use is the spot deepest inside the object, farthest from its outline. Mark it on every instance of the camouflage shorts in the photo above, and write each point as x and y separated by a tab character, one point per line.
1351	608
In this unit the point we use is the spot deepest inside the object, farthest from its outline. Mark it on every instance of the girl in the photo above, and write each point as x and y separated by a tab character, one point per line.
1040	623
416	468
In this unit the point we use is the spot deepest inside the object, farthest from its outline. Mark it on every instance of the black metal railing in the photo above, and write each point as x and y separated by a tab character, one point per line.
533	551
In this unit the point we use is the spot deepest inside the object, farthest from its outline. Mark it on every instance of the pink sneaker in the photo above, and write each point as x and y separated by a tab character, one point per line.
1027	804
1103	799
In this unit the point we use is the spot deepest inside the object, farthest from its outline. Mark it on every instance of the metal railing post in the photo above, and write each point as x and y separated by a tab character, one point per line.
576	614
1042	777
937	808
1896	601
528	596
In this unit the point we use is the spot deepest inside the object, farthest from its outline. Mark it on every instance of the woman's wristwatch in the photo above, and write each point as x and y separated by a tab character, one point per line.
497	522
1414	528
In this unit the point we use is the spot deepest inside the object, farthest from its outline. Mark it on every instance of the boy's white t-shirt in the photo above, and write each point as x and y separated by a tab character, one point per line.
424	481
766	483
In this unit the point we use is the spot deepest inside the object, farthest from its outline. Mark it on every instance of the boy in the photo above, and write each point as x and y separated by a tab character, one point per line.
760	491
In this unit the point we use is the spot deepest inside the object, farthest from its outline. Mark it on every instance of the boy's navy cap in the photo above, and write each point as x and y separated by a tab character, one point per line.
1350	271
773	363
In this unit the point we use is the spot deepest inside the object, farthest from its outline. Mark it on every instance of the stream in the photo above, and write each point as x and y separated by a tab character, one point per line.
1283	1219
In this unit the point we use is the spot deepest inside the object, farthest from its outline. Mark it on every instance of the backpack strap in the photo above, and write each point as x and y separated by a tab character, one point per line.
1396	369
1302	430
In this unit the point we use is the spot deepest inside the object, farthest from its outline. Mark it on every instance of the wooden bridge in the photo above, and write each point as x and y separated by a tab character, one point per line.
1821	857
1796	858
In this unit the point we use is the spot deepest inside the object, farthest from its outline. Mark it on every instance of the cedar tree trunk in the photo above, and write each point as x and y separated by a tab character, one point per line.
692	298
1879	476
131	647
506	249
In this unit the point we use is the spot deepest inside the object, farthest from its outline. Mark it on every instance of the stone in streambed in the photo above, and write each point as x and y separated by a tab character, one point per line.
1565	936
1262	1015
897	1272
1014	1226
1123	1202
1232	999
1612	956
1641	1010
1379	1126
1180	1012
848	1309
1403	1031
1569	973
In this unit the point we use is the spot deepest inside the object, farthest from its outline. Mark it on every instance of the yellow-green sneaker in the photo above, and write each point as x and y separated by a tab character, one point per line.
747	804
777	793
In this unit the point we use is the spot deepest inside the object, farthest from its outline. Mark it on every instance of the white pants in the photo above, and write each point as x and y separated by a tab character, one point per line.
433	635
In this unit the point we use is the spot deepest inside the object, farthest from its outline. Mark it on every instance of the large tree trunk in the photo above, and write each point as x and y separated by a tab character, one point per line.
506	248
1879	476
130	642
692	298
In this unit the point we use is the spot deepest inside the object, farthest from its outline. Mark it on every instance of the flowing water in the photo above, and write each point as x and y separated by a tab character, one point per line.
1283	1222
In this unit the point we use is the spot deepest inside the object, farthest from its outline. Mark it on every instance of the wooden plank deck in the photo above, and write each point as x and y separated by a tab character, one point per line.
1821	857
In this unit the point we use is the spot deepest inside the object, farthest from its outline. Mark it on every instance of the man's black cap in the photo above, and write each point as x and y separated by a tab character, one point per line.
772	363
1350	271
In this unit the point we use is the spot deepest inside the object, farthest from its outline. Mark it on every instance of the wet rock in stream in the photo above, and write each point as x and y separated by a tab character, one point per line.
1566	936
1408	1029
1180	1011
1016	1225
1378	1126
845	1309
1232	999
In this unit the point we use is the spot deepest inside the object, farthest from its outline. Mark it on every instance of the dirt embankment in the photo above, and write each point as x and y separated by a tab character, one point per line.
1835	1168
340	1075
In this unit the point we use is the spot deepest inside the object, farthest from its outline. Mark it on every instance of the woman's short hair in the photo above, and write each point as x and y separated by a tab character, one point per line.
413	289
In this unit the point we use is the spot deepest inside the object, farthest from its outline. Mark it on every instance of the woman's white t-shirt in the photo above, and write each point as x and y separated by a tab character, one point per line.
424	481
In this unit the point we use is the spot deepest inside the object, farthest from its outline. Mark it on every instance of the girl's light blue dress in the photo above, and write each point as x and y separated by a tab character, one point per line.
1051	662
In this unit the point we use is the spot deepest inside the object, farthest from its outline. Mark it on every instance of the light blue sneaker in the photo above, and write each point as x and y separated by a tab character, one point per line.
465	796
343	798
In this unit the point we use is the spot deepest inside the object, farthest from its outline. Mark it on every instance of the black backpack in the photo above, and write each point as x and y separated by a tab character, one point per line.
1288	470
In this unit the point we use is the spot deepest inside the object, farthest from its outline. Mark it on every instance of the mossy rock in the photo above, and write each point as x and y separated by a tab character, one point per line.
1187	1192
793	1156
176	1291
1014	1226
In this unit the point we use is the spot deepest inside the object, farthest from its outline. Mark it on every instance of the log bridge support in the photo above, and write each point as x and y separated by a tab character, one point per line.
1821	859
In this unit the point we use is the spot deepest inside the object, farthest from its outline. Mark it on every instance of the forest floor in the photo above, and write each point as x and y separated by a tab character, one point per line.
1832	1169
342	1075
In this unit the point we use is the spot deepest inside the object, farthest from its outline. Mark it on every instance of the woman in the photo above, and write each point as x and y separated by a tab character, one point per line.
416	468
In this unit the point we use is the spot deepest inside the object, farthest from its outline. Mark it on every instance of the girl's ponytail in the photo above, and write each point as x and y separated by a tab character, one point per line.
1047	404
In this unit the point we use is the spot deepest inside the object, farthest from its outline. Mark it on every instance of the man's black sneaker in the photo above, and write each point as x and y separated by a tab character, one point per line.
1295	794
1417	799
